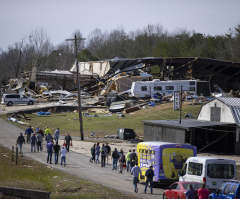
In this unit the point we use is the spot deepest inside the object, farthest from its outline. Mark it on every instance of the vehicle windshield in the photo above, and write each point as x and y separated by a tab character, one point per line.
195	168
195	185
225	171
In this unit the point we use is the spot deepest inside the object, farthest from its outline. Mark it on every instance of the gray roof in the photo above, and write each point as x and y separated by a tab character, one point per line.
187	123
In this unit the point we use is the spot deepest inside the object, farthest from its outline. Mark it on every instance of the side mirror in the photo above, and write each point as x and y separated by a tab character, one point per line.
179	173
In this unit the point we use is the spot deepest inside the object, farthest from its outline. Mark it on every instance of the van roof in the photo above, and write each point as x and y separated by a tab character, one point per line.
207	158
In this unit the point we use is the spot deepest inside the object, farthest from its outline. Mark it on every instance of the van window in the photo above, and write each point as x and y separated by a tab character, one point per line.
168	88
195	168
233	189
144	88
157	88
225	171
184	170
12	96
191	83
226	190
192	88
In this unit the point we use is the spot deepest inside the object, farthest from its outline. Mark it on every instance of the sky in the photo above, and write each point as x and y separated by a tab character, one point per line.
60	18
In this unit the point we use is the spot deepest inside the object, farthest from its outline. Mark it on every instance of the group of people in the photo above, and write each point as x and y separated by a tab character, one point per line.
130	161
202	193
38	138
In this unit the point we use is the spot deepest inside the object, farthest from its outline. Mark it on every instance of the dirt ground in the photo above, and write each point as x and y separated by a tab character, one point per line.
84	147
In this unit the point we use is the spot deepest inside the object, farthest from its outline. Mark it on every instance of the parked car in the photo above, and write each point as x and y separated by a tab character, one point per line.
10	99
178	190
228	190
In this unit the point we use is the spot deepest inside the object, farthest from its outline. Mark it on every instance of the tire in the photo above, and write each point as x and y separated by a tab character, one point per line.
9	103
179	197
30	103
164	196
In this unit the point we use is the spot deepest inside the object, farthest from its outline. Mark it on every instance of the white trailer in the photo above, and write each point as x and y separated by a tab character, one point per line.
142	89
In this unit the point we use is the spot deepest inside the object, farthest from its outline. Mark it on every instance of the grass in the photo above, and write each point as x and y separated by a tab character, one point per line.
68	121
27	172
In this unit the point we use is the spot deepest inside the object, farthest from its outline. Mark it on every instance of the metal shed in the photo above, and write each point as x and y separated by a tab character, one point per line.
206	135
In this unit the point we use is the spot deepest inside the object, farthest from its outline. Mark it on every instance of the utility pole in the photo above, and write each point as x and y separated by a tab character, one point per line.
180	113
78	86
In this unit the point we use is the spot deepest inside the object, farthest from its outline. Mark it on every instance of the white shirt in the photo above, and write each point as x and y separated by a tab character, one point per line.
63	152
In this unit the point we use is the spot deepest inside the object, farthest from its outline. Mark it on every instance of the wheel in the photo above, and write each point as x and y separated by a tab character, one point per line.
164	196
30	103
179	197
10	104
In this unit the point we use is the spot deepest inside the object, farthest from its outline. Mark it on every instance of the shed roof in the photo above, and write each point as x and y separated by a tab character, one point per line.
187	123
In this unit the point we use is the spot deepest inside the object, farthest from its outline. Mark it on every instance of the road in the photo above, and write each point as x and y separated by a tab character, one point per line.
78	164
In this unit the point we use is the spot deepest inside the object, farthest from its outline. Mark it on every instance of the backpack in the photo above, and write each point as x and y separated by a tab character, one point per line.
149	173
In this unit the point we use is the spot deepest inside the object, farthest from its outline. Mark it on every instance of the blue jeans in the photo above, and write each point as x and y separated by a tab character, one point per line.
20	146
151	184
135	180
103	160
32	146
49	156
97	159
132	164
56	138
39	145
63	159
114	164
128	165
56	158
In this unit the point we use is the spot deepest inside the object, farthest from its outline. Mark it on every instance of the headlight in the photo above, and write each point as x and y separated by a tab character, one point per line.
184	192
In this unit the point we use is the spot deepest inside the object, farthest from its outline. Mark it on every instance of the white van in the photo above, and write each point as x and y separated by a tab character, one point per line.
212	171
10	99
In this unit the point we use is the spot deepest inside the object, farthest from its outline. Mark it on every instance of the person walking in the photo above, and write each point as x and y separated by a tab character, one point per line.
115	156
128	160
190	193
39	141
92	159
103	151
203	192
68	139
63	156
108	151
48	138
20	142
135	172
57	134
121	162
150	174
56	149
40	131
47	131
28	132
97	153
49	146
33	142
133	158
37	129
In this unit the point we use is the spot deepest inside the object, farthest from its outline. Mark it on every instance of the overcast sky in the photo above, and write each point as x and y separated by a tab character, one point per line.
61	18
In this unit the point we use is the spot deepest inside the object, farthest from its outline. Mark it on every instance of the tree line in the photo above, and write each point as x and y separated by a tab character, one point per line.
150	41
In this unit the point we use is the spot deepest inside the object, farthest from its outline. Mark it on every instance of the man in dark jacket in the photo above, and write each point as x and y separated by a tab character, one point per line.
20	142
109	151
33	142
48	138
149	174
56	149
68	139
115	156
28	132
